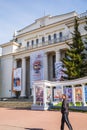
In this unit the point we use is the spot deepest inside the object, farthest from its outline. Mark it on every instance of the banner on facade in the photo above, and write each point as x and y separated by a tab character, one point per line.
39	93
36	66
59	71
17	79
58	93
85	93
68	92
78	94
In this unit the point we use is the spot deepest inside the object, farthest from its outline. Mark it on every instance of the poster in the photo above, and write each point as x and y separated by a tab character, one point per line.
85	93
36	66
39	94
17	79
78	94
59	71
68	92
49	93
58	93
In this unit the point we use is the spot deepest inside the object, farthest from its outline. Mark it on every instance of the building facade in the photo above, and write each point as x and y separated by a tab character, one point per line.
35	49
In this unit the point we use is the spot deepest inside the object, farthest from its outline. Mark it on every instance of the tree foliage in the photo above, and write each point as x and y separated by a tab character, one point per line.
75	55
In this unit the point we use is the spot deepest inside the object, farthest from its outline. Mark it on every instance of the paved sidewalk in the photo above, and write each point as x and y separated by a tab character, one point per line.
12	119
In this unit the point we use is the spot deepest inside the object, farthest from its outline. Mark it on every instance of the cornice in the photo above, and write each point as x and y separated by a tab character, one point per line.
9	44
80	21
65	21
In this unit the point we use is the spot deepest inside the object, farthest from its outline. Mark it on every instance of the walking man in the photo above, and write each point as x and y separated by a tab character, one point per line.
65	112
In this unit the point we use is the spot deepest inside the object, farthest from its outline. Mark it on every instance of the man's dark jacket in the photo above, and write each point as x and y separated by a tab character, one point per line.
65	106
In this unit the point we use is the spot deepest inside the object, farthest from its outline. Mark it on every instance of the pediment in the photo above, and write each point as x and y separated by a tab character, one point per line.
46	20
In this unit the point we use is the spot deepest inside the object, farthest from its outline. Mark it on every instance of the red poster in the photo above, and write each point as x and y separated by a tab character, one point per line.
78	94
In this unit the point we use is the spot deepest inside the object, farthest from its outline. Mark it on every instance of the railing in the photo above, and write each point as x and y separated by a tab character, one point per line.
48	42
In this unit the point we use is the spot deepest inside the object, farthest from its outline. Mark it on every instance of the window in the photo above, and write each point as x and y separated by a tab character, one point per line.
60	35
32	42
43	39
27	44
49	38
37	41
55	36
20	44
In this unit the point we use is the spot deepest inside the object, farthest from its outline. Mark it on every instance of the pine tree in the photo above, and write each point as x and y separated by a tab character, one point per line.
73	62
85	61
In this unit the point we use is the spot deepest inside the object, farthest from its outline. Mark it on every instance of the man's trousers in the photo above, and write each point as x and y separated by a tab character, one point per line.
65	120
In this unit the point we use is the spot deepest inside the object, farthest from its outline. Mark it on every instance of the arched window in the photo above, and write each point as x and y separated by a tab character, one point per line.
32	42
49	38
28	44
43	39
37	41
20	44
60	35
55	36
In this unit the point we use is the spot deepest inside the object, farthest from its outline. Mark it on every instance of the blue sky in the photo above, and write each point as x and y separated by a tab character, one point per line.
16	14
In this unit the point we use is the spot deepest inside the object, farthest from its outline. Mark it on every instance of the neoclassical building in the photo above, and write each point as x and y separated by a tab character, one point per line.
35	49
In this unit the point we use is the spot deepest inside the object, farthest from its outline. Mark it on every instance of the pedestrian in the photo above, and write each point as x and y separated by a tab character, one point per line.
65	113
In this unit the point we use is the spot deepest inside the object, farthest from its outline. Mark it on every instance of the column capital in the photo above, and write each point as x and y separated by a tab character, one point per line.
57	50
23	58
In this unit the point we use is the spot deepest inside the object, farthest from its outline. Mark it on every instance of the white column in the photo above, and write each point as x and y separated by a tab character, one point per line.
34	95
45	67
73	95
45	96
14	67
83	95
58	55
23	77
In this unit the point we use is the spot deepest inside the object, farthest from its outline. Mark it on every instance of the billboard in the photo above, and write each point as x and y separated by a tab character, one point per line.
17	79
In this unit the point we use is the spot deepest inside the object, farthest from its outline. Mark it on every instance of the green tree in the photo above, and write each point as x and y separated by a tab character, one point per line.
74	57
85	42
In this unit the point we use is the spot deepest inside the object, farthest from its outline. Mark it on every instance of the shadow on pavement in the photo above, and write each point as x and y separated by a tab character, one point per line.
34	129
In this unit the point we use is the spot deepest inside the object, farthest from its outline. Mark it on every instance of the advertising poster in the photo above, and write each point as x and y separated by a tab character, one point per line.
36	66
85	93
78	94
49	94
68	92
58	93
59	71
39	94
17	79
